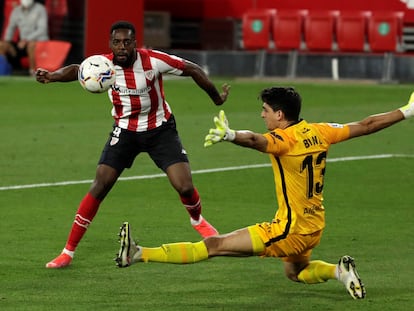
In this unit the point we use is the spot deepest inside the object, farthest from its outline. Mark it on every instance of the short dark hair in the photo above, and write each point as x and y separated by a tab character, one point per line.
123	25
285	99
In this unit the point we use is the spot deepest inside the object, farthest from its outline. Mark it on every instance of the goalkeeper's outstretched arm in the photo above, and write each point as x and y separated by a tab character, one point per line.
250	139
377	122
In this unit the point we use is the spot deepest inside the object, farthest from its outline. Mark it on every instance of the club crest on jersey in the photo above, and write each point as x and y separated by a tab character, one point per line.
149	74
114	141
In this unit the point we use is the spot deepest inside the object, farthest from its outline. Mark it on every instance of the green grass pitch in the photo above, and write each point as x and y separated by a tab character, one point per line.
52	134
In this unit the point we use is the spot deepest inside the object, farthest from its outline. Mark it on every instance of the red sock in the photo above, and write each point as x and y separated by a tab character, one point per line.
192	204
86	212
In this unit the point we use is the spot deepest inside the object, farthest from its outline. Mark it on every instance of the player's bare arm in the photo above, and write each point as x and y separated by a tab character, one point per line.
64	74
250	139
377	122
202	80
374	123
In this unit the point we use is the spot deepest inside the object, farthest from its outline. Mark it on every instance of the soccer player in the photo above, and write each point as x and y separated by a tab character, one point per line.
143	123
298	152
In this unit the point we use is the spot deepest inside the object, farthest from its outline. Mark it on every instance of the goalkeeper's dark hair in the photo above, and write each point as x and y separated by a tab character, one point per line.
285	99
123	25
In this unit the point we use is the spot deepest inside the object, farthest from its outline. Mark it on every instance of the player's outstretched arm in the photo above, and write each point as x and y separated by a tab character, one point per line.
222	132
202	80
377	122
64	74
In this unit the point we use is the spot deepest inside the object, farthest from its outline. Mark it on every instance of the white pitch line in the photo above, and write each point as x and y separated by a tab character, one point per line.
204	171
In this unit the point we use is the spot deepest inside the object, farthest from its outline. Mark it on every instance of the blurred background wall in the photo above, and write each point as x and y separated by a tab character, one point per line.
216	34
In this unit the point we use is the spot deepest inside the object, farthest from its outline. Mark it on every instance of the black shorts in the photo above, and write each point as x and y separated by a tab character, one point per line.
162	144
20	53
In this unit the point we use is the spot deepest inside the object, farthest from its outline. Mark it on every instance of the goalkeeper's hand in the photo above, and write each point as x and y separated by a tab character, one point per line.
221	132
408	110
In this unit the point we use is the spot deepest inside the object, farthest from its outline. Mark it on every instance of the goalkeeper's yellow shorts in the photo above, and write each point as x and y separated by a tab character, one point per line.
268	242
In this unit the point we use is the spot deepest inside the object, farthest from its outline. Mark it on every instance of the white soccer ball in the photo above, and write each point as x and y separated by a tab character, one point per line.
96	74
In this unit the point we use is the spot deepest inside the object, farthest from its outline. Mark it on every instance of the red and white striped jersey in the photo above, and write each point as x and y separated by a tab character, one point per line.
138	96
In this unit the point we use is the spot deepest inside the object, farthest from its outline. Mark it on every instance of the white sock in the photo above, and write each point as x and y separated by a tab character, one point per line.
337	272
68	252
196	222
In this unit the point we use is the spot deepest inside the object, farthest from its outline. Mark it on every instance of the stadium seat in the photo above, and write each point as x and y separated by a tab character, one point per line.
352	31
385	31
256	28
288	29
319	30
51	55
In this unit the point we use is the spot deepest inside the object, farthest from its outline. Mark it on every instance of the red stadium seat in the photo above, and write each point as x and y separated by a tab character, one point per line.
352	30
51	55
385	31
256	27
319	30
288	29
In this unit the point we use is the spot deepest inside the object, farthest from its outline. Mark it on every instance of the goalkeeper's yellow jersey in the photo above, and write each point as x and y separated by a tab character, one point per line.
298	155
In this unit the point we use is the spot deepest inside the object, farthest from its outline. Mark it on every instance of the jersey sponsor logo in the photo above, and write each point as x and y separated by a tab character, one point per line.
123	91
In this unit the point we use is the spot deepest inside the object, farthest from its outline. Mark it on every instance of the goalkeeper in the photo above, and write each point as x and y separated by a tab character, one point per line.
298	151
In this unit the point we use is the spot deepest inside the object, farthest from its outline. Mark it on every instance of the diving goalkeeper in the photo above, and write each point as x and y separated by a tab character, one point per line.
298	152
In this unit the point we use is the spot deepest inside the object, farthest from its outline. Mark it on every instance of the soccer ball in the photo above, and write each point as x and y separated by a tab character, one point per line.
96	74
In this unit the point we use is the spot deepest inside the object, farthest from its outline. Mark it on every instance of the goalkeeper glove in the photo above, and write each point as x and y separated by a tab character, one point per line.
221	132
408	110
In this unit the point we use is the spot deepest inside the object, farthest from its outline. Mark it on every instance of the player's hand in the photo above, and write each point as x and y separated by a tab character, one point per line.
42	75
221	132
408	110
226	90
